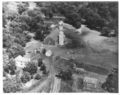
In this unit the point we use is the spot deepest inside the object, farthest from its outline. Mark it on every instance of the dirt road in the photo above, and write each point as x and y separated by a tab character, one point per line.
51	83
56	85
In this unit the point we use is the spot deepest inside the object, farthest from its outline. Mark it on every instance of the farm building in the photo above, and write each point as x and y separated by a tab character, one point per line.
21	61
90	83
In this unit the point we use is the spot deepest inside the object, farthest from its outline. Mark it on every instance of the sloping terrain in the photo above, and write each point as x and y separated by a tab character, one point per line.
99	56
94	40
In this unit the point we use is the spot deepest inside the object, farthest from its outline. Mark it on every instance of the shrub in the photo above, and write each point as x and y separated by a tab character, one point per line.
40	62
49	41
111	83
43	68
10	67
25	77
66	86
37	77
31	68
15	50
75	40
105	31
80	83
44	51
65	75
11	85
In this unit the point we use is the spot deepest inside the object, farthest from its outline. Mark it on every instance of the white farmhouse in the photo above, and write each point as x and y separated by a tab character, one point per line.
21	61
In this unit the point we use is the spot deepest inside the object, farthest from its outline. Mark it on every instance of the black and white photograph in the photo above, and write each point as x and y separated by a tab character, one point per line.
60	46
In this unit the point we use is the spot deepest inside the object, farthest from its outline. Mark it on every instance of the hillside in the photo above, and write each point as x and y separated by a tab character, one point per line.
53	47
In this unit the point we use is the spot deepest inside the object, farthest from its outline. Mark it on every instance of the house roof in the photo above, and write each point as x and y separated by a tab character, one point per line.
90	80
20	58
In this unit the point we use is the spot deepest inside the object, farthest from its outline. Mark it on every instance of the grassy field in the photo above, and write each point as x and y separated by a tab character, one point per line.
98	55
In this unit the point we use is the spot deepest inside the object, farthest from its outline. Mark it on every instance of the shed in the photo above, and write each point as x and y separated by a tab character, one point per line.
90	82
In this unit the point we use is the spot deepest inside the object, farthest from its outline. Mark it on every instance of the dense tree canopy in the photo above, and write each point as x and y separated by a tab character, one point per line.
95	15
111	83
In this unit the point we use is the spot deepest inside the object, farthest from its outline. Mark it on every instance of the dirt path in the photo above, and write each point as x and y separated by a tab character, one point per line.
51	82
56	85
41	87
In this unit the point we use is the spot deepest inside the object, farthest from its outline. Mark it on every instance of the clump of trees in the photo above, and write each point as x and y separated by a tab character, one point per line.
18	21
11	85
95	15
15	50
31	68
38	76
111	83
80	83
75	40
10	67
25	77
40	62
64	68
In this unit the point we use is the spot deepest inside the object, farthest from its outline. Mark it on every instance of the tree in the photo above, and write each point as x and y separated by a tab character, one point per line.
37	77
92	18
75	40
31	68
105	31
80	83
36	24
22	7
64	68
43	68
7	39
25	77
10	67
65	75
40	62
15	50
111	83
11	85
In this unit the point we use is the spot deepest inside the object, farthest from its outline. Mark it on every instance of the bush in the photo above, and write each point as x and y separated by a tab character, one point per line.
11	85
66	86
25	77
49	41
65	75
40	62
43	68
31	68
28	37
15	50
80	83
111	83
10	67
105	31
37	77
44	51
75	41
